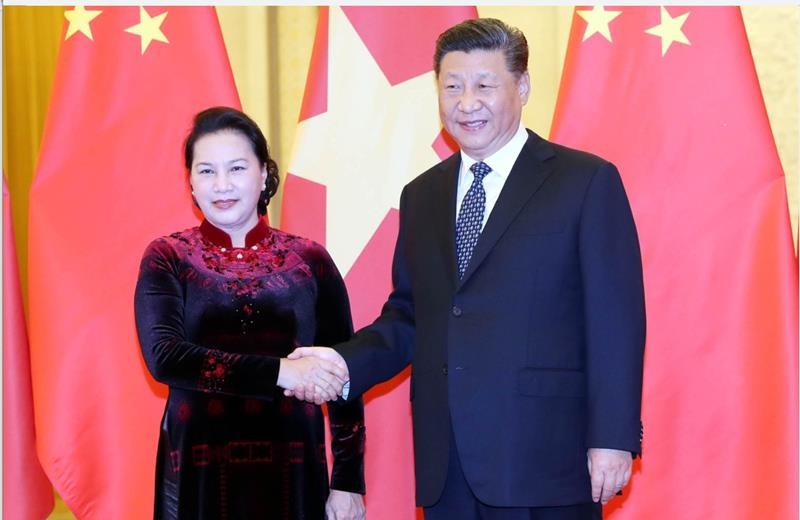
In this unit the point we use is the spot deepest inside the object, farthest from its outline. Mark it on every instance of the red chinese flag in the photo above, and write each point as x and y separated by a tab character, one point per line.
369	124
27	494
670	95
110	179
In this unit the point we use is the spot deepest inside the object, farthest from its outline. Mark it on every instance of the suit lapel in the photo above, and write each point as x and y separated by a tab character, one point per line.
444	204
527	175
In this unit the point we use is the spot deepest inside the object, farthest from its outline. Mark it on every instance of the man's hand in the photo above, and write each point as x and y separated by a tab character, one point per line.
343	505
309	390
323	377
610	471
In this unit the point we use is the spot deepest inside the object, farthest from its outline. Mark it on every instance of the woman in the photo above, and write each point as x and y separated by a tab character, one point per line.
218	308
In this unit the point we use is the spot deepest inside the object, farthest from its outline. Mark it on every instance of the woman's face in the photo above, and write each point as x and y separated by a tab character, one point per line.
226	180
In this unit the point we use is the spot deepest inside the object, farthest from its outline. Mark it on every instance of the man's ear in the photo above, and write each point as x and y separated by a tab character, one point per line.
524	86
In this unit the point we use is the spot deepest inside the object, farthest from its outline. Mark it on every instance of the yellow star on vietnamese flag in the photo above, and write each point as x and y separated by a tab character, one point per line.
669	30
597	21
371	141
79	20
149	28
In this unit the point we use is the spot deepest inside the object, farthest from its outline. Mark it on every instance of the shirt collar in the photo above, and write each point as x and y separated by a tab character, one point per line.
503	159
220	238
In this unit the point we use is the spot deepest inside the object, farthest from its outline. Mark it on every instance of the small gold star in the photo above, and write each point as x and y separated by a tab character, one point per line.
79	20
149	28
669	30
597	21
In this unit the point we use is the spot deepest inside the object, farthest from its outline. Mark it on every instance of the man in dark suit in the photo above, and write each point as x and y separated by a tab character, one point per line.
518	301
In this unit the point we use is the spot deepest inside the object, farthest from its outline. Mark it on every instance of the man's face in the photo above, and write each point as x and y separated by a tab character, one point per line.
480	100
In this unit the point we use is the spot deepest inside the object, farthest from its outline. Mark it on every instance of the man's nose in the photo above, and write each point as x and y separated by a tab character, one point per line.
468	101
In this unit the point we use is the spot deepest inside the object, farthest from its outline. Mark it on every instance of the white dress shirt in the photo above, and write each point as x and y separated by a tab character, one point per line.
500	162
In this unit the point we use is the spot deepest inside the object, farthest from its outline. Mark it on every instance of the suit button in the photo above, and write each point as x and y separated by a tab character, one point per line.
456	311
444	370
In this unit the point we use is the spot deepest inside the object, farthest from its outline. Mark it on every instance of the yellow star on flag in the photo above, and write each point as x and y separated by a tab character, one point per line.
372	140
669	30
149	28
597	21
79	20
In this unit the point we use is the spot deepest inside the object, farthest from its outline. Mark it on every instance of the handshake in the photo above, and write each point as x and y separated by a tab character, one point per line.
313	374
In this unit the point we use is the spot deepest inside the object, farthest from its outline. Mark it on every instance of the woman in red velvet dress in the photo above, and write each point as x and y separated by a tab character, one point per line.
218	308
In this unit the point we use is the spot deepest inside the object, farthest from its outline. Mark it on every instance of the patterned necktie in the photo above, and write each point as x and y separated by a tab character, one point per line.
470	217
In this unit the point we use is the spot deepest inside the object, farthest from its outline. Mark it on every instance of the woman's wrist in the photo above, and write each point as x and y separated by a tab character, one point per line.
284	373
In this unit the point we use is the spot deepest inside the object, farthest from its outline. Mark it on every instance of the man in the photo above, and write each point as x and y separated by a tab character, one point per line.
518	300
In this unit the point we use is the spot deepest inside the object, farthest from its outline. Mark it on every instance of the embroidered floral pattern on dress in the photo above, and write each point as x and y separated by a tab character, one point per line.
240	270
216	367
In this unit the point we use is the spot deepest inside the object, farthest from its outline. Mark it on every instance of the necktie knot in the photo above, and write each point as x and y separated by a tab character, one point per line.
480	170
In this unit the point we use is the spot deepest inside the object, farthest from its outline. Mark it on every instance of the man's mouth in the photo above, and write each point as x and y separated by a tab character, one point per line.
473	125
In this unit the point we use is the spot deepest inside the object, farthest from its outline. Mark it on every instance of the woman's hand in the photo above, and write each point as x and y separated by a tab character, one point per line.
343	505
324	377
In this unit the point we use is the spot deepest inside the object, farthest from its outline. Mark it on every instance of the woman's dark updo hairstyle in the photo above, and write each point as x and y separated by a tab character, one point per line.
216	119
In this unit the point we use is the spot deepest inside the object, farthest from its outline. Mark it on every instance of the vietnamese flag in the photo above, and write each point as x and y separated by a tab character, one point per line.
368	125
671	96
27	493
110	178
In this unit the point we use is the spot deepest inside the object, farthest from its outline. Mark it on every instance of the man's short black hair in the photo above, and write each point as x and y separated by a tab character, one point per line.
484	34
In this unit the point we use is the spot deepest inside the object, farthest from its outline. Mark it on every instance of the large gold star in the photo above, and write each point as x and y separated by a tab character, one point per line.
597	21
371	141
79	19
669	30
149	28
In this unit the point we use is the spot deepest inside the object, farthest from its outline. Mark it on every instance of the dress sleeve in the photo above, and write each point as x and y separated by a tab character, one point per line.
334	325
171	359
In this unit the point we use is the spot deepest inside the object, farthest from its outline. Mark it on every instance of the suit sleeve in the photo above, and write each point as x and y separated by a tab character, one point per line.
384	348
170	358
611	269
334	325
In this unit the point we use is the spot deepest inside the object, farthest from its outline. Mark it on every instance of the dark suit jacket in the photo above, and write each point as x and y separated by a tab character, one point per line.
536	354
